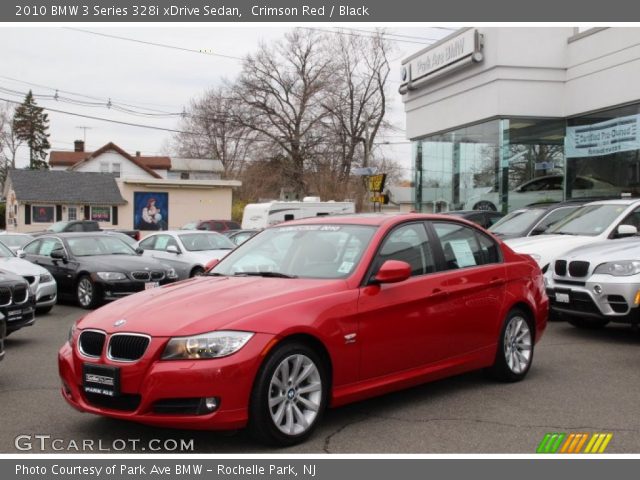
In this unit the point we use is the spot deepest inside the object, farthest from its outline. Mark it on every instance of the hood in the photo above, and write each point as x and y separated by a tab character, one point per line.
546	248
21	267
204	304
606	251
120	263
8	278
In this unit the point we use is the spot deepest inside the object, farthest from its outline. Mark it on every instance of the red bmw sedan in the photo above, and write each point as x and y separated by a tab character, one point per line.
313	313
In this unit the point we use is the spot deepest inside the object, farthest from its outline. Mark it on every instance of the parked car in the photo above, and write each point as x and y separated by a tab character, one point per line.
15	241
212	225
597	284
92	268
41	283
3	335
534	219
591	223
483	218
187	251
544	189
17	305
76	226
238	237
311	313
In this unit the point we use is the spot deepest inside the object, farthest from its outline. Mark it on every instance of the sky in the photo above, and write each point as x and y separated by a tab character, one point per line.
153	80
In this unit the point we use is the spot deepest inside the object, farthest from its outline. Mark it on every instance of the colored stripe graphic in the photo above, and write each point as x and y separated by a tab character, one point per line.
573	443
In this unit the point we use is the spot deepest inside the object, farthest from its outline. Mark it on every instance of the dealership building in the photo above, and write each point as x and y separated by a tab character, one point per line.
502	117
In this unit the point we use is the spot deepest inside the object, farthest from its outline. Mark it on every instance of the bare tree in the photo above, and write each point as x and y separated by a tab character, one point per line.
9	142
284	87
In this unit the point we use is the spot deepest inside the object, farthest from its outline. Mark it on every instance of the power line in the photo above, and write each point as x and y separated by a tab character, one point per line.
352	34
155	44
385	33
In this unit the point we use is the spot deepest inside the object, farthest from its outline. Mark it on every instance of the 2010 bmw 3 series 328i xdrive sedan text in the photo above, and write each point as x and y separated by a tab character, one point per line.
309	314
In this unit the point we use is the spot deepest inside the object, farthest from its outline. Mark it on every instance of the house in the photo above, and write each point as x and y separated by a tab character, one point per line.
112	159
38	198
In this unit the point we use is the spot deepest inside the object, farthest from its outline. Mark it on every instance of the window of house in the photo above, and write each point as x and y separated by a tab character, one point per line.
115	169
104	167
72	213
184	175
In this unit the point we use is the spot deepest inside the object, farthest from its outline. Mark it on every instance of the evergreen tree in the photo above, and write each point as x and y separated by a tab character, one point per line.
31	126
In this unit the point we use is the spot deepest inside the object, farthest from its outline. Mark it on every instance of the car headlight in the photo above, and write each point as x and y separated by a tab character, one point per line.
619	269
72	331
110	276
208	345
171	273
45	278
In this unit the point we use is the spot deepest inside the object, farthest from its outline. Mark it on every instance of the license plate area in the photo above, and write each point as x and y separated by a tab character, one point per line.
14	315
101	379
563	296
151	285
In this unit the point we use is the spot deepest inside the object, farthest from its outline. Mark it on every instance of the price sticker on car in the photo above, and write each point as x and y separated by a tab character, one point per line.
562	297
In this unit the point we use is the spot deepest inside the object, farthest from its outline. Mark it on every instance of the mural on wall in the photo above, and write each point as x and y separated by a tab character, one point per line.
151	210
42	214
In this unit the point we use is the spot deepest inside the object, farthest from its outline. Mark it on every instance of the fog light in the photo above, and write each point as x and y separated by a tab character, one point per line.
597	289
637	299
211	403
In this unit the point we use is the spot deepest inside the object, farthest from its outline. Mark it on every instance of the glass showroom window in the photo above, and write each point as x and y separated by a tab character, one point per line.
603	153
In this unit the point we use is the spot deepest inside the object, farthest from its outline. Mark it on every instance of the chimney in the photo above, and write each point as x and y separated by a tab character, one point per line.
78	146
137	153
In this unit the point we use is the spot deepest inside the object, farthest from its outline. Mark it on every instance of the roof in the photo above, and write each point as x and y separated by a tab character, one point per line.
373	219
112	146
63	186
196	165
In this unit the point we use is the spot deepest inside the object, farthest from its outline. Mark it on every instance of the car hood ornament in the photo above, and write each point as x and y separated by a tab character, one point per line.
120	322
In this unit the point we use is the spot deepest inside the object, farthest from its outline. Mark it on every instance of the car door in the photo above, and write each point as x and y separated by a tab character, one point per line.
61	271
178	261
402	325
474	282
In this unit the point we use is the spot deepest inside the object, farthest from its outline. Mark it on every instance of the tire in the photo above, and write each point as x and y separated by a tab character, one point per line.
43	310
292	416
486	206
196	272
88	295
515	348
587	323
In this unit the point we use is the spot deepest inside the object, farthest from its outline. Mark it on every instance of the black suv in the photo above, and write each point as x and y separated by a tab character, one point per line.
17	304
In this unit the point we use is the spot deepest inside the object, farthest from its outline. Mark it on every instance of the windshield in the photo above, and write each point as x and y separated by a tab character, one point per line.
307	251
5	252
57	227
200	242
590	220
517	221
15	240
87	246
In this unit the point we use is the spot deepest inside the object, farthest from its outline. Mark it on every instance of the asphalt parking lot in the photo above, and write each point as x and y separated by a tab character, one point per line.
581	381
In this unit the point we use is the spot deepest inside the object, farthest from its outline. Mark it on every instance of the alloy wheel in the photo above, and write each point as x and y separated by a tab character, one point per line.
85	292
517	344
295	394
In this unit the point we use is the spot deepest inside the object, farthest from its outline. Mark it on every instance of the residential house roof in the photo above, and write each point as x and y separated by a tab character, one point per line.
65	187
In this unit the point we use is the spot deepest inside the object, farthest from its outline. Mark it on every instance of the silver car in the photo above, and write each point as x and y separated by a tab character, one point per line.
187	251
41	283
15	241
597	284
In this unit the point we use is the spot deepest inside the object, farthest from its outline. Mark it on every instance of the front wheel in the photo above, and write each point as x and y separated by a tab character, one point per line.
289	395
197	272
515	348
87	293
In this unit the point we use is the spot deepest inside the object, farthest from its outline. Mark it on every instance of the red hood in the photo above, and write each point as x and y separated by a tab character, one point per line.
205	304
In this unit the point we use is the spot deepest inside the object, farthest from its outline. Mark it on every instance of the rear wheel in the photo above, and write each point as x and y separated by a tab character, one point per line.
515	348
486	206
289	395
197	271
587	323
87	293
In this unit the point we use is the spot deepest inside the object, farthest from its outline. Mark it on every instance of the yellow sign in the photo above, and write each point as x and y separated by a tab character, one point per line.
376	182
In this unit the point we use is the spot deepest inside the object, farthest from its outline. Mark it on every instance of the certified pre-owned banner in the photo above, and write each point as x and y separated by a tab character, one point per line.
316	11
620	134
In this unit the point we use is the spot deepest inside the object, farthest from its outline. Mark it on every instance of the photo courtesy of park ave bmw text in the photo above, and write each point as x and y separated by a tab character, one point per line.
319	239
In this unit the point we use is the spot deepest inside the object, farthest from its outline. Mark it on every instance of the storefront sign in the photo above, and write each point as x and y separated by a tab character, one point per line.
376	182
461	49
612	136
101	214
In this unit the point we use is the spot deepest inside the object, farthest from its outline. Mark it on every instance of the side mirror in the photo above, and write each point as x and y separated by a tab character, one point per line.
626	231
539	230
139	250
393	271
211	264
58	254
173	249
21	253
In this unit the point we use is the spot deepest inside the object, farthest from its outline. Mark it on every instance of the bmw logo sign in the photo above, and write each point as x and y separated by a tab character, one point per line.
120	322
404	74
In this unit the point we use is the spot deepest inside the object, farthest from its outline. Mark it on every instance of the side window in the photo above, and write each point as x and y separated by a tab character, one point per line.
408	243
33	248
163	241
148	243
48	245
77	227
492	218
581	183
554	217
463	247
632	219
217	226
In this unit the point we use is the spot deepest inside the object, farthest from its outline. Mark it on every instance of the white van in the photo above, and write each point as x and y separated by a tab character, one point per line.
262	215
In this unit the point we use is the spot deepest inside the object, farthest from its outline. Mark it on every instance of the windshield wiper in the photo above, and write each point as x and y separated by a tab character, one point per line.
265	274
215	274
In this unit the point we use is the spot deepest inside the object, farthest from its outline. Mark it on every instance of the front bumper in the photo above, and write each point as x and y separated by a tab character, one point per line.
46	294
123	288
19	316
148	382
601	296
